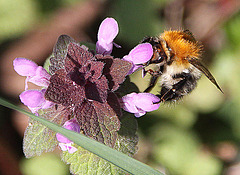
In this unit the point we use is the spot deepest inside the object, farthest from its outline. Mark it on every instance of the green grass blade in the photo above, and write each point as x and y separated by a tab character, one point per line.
117	158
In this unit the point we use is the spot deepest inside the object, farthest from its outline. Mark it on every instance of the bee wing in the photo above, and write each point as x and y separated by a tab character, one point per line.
196	63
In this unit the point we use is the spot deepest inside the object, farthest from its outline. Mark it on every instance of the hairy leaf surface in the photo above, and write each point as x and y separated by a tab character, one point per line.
38	138
84	162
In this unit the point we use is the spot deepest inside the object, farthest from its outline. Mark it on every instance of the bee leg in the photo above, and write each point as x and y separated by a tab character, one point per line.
152	84
154	78
166	94
177	91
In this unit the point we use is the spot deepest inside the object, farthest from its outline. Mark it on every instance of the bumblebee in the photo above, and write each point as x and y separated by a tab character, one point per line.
176	55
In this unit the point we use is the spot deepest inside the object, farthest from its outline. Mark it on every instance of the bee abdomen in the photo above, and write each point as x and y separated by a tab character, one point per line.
178	85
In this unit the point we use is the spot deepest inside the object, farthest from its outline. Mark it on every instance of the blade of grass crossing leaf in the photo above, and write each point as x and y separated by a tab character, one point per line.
117	158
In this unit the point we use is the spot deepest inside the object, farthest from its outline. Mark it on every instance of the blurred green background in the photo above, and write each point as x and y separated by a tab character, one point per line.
197	135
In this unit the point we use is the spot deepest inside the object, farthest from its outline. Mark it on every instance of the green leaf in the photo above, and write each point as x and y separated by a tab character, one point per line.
127	138
117	158
85	162
47	63
38	138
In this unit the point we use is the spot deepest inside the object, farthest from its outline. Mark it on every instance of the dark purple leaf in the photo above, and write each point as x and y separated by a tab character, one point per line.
112	100
62	91
108	121
98	90
115	70
88	120
96	70
77	57
118	71
98	120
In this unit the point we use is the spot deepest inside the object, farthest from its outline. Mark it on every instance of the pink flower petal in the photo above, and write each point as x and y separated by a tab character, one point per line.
32	98
104	48
47	104
35	74
41	78
72	149
24	67
140	54
108	30
63	146
68	147
71	125
140	103
145	101
139	114
62	139
128	105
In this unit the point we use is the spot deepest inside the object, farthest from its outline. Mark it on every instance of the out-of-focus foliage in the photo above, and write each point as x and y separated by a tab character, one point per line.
48	164
47	7
18	17
233	34
135	22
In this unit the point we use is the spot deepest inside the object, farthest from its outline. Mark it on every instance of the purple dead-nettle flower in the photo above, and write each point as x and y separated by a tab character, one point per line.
140	103
34	100
140	54
108	30
85	85
64	143
34	73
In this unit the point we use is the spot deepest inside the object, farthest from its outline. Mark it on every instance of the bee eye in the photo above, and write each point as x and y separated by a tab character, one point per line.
157	59
160	58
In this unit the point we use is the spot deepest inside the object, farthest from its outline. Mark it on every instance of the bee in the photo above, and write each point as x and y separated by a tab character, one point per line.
176	55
